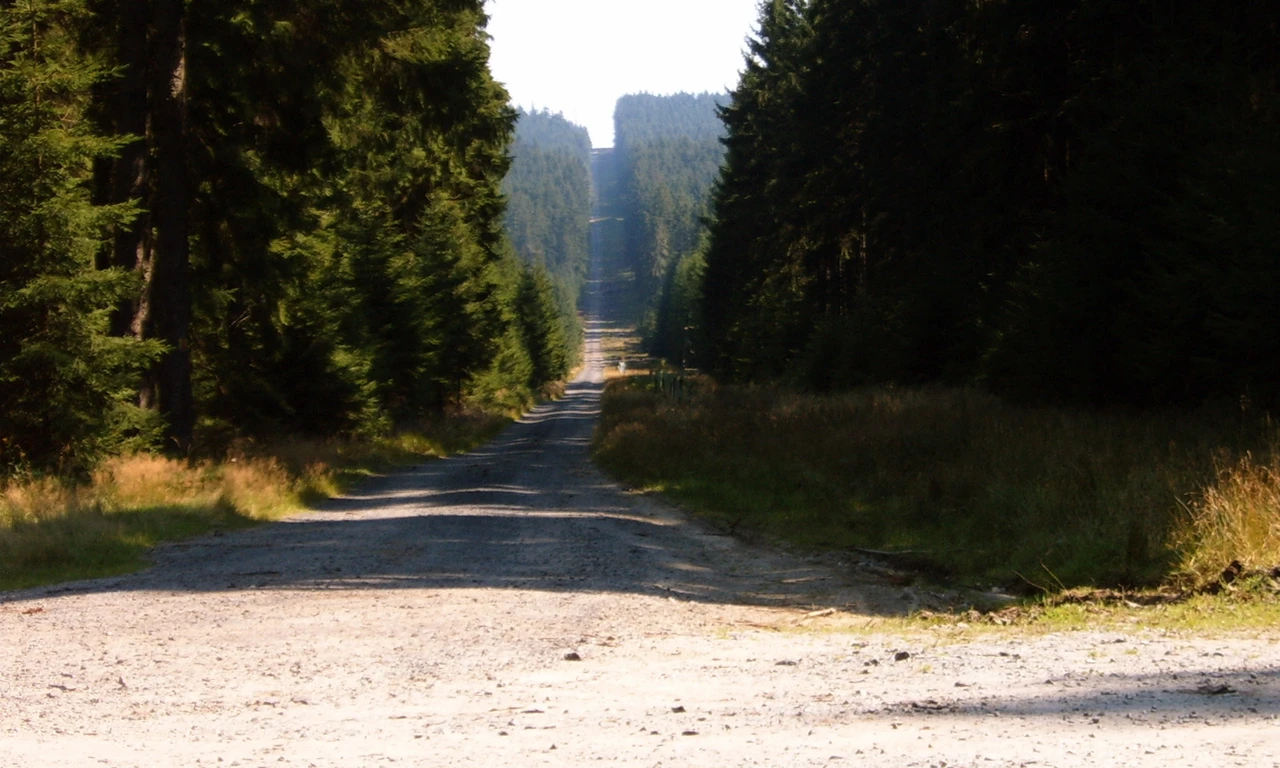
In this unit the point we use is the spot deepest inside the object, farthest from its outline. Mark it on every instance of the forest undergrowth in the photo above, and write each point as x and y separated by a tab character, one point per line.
963	487
55	529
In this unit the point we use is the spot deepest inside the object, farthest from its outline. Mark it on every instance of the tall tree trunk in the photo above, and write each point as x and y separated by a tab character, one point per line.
170	284
131	247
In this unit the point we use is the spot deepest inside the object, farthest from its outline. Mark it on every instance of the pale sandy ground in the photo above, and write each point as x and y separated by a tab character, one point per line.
426	622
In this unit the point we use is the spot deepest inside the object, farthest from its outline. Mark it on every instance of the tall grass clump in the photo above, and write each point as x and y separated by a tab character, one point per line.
56	529
1232	525
954	481
53	529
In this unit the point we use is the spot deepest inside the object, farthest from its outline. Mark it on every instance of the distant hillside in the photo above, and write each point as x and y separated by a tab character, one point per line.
669	155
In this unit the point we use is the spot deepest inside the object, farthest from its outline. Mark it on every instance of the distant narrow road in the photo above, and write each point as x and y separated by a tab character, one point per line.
513	607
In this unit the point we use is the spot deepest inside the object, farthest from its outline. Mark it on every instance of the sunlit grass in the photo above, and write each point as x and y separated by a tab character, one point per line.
1199	615
1233	523
969	488
53	530
1246	610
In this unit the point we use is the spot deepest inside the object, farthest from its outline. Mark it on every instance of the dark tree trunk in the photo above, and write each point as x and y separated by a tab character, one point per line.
170	283
131	248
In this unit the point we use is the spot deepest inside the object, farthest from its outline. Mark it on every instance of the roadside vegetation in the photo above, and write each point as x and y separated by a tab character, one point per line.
303	237
962	486
1009	326
55	529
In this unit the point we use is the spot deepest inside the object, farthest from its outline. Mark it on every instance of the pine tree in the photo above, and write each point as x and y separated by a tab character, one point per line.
64	383
1059	200
669	152
750	303
548	211
294	225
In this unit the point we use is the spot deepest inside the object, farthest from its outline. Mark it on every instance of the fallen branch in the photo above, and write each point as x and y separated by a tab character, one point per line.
908	552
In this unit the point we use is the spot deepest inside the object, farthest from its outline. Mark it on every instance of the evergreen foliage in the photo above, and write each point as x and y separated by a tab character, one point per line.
639	118
1064	201
548	216
247	218
669	153
64	384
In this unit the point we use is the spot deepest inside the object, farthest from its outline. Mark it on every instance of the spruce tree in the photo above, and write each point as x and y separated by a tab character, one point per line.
548	212
749	311
65	383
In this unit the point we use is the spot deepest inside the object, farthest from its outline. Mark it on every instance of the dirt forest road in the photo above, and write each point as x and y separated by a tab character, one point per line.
513	607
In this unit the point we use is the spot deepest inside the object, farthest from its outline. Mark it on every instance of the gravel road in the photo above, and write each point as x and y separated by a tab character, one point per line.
513	607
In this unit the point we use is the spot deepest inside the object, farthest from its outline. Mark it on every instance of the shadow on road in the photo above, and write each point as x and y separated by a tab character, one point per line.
527	511
1124	700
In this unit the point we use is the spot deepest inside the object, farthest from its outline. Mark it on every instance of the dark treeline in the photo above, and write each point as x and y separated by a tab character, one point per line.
668	151
1075	200
245	218
548	216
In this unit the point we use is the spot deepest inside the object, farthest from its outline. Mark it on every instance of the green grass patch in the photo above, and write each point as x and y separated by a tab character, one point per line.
968	487
1246	607
1199	613
54	530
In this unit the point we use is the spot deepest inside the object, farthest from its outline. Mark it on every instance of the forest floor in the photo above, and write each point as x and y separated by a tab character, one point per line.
514	607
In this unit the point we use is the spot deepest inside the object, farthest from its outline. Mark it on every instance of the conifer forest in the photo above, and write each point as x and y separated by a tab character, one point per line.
1074	201
241	219
238	219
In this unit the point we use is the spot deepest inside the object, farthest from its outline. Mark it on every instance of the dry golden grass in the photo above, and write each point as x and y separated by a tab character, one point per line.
975	488
257	488
34	501
54	530
1234	519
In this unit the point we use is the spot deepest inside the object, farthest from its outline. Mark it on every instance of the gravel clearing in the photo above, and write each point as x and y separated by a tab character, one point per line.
513	607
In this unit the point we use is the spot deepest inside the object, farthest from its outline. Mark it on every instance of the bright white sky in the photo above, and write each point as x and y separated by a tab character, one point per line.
579	56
